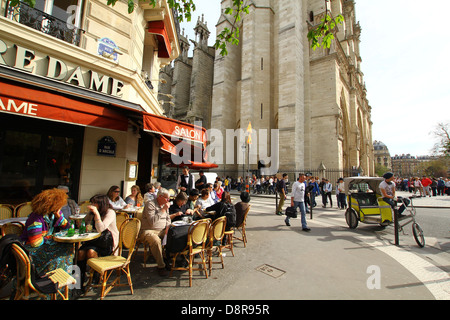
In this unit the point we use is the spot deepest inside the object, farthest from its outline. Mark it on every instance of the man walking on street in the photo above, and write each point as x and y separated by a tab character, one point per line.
298	200
281	189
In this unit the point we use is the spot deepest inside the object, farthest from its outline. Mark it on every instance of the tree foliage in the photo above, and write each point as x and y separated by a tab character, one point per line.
320	36
442	133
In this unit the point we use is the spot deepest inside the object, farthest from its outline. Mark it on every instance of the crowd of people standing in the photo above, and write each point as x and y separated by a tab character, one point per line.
425	186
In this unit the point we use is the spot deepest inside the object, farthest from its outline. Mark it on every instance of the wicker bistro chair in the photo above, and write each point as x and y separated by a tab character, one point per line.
23	210
121	217
6	211
105	266
241	228
216	234
25	286
196	241
12	228
229	240
84	206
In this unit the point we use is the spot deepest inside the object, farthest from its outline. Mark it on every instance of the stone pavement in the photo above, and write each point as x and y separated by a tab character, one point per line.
286	263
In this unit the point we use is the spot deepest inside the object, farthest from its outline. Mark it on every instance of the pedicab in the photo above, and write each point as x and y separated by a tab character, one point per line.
366	205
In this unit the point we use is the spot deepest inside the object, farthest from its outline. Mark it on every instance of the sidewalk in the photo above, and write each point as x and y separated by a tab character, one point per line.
420	202
285	263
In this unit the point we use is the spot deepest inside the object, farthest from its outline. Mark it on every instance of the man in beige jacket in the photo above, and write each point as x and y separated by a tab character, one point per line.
155	223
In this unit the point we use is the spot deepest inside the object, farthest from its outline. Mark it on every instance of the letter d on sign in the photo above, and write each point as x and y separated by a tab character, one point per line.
374	281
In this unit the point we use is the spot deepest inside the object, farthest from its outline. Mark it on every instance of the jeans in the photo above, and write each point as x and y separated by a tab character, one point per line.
393	204
301	206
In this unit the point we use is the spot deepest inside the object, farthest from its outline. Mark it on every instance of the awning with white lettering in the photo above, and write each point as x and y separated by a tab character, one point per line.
174	128
34	103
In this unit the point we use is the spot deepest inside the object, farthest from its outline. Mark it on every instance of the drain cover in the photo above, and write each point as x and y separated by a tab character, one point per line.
271	271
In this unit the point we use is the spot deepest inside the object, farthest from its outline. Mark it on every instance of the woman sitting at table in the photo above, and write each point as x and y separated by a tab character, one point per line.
45	220
224	208
203	202
179	207
135	198
104	218
115	199
217	192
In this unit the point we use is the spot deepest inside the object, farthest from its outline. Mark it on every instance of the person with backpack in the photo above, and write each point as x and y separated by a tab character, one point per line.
224	208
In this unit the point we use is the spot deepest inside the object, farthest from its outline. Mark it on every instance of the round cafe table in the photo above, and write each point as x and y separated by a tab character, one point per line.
76	239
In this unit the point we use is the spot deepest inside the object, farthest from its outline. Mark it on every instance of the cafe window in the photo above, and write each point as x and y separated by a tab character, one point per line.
36	155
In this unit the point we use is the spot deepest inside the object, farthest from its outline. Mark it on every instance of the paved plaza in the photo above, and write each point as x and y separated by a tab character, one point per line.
286	263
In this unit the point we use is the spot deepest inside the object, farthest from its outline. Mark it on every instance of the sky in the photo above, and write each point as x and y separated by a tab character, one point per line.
405	63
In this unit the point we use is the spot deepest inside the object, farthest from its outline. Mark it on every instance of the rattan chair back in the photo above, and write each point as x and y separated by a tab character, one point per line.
120	218
198	232
129	232
6	211
84	206
23	210
12	228
217	230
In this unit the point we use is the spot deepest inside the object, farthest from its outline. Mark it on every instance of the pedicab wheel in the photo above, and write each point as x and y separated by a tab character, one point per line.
418	235
351	218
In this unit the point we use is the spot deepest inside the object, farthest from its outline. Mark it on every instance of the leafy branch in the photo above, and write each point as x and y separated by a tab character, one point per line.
231	35
324	31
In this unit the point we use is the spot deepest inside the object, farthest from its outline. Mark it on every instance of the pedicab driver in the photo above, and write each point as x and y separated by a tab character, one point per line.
387	188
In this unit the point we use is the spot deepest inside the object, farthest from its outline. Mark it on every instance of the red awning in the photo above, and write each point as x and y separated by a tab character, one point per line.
159	29
187	132
195	165
45	105
167	146
173	128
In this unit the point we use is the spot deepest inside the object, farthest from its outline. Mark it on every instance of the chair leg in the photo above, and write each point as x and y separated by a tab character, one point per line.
89	284
230	243
210	260
244	236
190	270
204	264
103	278
130	283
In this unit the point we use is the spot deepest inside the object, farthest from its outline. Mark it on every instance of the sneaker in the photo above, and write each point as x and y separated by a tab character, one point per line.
306	229
287	223
279	213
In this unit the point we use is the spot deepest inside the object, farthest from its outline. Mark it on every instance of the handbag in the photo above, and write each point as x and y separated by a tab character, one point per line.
291	212
105	241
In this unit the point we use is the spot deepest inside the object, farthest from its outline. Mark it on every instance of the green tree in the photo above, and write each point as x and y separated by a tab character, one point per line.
319	36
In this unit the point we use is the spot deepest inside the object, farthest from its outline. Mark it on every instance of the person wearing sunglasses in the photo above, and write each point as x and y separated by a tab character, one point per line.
115	199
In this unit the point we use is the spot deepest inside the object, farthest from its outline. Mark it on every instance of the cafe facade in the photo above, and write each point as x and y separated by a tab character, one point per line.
79	97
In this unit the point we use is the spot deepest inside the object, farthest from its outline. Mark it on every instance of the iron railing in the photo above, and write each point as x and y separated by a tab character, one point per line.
45	23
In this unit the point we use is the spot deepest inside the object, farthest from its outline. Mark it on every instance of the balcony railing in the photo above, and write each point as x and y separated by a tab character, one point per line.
45	23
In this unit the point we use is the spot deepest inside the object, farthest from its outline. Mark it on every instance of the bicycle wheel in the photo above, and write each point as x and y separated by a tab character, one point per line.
351	218
418	235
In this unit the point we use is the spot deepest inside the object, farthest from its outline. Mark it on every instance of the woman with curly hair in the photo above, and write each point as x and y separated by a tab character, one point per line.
45	220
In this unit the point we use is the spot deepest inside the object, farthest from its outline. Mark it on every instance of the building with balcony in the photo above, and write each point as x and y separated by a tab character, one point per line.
79	96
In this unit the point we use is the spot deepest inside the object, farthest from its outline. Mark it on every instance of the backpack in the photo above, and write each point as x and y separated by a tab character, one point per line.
279	187
9	268
230	213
